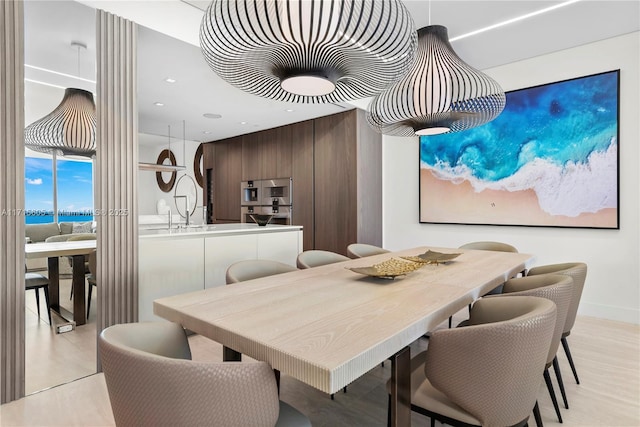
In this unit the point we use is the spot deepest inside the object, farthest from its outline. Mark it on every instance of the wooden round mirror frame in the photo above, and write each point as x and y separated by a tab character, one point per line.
197	167
164	155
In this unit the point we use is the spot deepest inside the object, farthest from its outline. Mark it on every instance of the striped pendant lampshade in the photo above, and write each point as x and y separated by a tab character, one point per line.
309	51
70	129
440	94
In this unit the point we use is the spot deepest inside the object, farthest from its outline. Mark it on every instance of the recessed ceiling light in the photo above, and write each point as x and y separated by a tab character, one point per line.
212	116
206	131
158	104
289	110
243	123
170	80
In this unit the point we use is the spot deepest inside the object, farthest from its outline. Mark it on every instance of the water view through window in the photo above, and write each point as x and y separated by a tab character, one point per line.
74	190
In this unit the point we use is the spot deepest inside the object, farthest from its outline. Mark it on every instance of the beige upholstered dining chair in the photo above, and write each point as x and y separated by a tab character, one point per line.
578	271
487	373
559	289
255	268
152	382
489	246
361	250
316	258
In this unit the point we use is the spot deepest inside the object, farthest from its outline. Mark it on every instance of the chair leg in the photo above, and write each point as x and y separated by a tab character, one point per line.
565	345
450	320
46	299
38	301
89	300
536	415
556	369
552	394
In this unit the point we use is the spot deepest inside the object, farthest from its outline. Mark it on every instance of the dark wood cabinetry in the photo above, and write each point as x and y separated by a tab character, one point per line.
348	182
335	162
224	159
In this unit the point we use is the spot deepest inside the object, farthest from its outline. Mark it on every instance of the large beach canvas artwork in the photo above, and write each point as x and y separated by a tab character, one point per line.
550	159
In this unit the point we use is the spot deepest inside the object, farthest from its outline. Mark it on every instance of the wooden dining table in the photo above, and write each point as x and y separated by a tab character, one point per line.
52	250
327	326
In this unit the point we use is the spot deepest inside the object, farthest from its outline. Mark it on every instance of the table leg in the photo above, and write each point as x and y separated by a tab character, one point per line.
229	355
401	388
79	311
53	271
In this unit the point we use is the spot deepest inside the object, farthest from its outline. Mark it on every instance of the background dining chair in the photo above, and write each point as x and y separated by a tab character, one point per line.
255	268
488	373
578	271
74	238
316	258
91	278
360	250
152	382
37	281
559	289
489	246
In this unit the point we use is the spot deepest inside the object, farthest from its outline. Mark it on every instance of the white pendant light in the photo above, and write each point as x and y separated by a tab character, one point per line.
70	129
440	94
311	51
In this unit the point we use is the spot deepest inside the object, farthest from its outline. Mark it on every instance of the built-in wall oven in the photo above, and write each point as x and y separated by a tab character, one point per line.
267	196
250	193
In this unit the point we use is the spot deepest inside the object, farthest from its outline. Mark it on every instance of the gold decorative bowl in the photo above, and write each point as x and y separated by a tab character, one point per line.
389	269
431	257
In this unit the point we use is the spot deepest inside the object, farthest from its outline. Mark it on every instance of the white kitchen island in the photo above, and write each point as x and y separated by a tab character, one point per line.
179	260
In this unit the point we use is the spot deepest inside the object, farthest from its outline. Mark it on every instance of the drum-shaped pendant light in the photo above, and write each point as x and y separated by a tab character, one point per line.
441	93
311	51
70	129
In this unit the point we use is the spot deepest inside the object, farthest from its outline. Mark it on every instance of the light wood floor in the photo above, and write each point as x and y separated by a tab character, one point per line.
607	355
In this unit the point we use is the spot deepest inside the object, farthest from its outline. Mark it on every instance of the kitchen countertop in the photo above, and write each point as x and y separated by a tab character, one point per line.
212	229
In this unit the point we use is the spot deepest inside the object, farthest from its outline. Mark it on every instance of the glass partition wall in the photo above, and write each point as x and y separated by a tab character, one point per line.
58	189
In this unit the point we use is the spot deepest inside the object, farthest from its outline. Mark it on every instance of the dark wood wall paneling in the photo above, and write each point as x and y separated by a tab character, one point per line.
323	156
300	137
335	168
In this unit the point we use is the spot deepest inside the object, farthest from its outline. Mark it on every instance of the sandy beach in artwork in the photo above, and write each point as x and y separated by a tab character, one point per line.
443	201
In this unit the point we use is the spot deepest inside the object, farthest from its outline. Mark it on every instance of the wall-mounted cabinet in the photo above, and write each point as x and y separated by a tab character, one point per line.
335	162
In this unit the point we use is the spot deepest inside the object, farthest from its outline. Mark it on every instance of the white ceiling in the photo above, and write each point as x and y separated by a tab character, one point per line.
51	26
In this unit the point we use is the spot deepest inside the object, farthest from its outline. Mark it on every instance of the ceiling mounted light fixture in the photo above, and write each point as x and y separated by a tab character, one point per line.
440	94
311	51
70	129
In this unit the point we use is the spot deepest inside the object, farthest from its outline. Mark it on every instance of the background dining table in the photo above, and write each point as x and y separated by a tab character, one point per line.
327	326
77	250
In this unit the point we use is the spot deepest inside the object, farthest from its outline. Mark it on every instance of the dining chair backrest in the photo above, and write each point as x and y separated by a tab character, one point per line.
492	367
255	268
489	246
316	258
360	250
554	287
152	382
578	271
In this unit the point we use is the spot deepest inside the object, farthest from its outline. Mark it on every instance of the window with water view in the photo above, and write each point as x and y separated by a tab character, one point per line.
74	195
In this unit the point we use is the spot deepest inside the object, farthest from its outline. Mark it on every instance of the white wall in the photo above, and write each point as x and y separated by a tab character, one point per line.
613	256
148	191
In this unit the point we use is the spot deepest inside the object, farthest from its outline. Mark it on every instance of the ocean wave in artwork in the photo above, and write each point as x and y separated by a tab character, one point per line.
559	140
570	189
